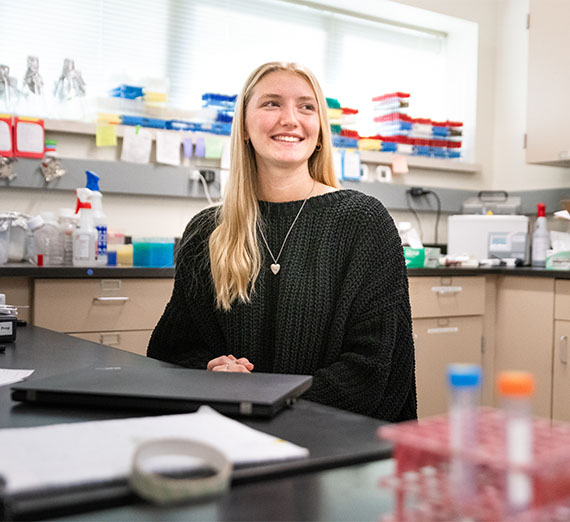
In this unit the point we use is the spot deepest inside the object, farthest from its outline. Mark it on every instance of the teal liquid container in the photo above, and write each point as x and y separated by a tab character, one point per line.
155	252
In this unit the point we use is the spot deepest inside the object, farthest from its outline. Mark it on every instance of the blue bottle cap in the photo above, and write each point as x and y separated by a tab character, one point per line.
464	375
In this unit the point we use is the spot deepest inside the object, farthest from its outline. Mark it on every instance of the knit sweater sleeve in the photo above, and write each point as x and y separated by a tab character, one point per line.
374	373
179	336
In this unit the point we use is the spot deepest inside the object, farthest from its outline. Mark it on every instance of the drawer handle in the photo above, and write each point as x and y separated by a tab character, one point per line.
111	299
443	330
446	289
563	349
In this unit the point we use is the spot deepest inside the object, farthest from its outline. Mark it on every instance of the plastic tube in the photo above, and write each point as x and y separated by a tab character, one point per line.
464	387
516	389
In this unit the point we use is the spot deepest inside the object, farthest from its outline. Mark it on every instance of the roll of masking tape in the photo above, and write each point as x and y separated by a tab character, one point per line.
162	489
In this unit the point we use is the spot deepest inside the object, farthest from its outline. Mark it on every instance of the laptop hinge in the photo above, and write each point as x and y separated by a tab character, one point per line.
246	408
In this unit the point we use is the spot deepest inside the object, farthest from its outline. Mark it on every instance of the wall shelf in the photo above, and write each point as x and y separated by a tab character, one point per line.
419	162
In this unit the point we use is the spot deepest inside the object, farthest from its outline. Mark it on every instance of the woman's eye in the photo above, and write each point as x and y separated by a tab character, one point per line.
308	107
271	103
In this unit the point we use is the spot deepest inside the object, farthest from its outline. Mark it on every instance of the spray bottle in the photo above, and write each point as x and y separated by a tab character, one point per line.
99	218
540	237
85	235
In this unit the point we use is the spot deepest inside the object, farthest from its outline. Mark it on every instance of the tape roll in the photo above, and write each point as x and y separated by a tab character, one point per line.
162	489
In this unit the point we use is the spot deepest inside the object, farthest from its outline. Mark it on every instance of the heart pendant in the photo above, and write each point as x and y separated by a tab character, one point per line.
275	268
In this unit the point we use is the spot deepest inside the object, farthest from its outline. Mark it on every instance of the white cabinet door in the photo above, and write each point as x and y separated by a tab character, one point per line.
548	121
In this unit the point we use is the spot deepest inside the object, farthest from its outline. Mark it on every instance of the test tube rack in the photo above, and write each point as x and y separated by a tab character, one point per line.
423	489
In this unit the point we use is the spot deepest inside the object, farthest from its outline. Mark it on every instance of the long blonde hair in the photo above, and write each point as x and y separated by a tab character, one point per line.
235	258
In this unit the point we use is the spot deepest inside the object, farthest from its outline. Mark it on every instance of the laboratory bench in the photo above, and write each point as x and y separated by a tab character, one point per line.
501	318
338	481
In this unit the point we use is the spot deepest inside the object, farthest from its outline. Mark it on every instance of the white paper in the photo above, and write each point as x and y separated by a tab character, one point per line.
30	137
89	452
168	147
137	144
8	376
5	137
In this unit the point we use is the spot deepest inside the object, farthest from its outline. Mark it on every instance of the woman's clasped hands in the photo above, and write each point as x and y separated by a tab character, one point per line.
228	363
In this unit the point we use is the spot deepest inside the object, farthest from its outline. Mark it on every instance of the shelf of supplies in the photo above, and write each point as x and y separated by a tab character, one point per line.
419	162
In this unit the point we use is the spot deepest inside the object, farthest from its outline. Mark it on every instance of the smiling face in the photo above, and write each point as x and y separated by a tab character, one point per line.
282	121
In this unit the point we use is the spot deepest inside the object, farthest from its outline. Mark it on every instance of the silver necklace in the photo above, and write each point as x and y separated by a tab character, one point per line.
275	266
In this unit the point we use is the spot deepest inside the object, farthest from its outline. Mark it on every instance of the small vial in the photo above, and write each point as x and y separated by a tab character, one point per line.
516	389
465	391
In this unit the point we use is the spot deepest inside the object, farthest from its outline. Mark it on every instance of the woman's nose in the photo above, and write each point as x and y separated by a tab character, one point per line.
288	117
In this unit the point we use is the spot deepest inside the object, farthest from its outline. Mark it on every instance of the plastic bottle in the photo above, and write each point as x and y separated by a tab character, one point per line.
46	244
67	222
99	218
85	235
516	389
465	390
540	237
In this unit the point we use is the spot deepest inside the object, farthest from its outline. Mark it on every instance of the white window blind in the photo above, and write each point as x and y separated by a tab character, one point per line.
211	45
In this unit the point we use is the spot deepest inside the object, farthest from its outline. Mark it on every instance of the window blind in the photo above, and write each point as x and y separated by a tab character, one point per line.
198	46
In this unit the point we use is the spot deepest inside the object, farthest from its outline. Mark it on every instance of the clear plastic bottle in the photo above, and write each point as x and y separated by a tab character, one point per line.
516	390
464	391
85	235
68	223
48	240
540	237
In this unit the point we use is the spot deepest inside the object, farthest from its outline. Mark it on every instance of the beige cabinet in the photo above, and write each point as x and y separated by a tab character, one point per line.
548	125
117	312
18	292
523	322
560	362
447	314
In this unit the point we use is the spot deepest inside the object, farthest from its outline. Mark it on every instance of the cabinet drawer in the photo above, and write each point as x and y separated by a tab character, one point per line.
135	341
562	299
94	305
438	343
447	296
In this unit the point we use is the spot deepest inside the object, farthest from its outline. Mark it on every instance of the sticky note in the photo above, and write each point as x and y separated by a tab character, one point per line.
106	135
188	144
137	145
399	165
214	148
168	147
200	150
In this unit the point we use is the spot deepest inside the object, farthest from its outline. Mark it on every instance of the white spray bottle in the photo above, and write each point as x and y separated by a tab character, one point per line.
99	218
85	235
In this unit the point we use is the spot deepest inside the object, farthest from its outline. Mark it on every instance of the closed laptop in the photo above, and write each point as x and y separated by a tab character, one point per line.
162	389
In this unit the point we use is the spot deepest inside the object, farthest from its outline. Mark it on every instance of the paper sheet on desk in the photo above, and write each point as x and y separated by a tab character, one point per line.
98	451
10	376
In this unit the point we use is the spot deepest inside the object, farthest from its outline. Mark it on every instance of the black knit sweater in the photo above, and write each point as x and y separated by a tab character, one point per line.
338	309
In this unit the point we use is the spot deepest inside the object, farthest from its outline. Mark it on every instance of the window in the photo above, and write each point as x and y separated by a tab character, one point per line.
197	46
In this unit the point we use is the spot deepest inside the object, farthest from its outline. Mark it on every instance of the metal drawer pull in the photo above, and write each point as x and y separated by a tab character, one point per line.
448	329
111	299
110	339
447	289
563	349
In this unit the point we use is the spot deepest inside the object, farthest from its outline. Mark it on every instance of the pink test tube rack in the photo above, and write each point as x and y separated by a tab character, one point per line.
421	482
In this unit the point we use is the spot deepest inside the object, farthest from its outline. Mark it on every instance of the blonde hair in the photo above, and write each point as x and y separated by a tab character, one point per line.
235	259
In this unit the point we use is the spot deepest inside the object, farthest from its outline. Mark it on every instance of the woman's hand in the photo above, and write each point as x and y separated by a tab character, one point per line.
228	363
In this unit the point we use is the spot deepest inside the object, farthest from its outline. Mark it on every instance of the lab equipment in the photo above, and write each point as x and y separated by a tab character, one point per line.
464	391
155	252
516	389
540	237
85	235
482	236
99	218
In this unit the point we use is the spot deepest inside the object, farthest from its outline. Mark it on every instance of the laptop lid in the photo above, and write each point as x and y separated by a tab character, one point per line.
166	390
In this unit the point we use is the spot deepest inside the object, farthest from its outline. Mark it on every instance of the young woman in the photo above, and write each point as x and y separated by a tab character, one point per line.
291	274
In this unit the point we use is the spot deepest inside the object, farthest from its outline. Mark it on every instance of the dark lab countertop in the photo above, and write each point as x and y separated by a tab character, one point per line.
28	270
